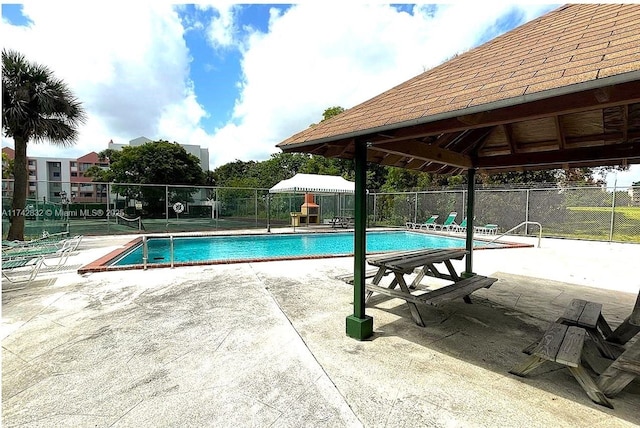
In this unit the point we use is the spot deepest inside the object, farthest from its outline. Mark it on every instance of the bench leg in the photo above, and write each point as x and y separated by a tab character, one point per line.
527	365
391	286
590	387
529	349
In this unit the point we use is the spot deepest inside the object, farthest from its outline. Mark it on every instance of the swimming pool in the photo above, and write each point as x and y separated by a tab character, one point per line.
235	248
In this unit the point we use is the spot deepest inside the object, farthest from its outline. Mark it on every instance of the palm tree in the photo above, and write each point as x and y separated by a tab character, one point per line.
35	107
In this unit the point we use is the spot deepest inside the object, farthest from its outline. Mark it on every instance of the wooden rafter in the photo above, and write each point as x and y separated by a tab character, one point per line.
427	152
560	133
612	153
508	133
625	123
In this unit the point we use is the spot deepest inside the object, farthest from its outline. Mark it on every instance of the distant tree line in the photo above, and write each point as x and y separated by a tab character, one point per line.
161	162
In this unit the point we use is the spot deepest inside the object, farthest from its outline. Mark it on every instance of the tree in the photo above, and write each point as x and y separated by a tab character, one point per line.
36	107
157	162
7	167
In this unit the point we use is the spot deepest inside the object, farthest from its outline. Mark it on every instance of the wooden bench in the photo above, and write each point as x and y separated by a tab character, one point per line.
588	315
349	278
563	344
462	288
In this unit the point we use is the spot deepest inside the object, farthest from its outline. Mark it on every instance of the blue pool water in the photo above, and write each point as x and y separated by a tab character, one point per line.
251	247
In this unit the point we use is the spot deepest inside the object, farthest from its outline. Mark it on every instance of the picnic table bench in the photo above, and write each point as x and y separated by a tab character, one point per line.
425	262
340	221
564	343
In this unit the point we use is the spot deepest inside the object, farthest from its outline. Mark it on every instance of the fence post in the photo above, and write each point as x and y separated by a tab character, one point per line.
613	208
108	207
166	205
526	213
375	209
464	201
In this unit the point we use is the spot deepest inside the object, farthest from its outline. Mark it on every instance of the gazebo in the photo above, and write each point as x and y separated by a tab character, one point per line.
561	91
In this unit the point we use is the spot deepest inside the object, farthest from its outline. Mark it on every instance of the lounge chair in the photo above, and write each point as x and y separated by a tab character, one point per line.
45	239
32	251
45	252
427	224
448	222
487	229
461	228
47	249
23	269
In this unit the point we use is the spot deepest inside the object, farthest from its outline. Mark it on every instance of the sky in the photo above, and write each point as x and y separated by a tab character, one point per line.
239	78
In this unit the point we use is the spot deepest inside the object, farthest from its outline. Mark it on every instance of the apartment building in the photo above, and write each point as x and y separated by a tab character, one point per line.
195	150
52	178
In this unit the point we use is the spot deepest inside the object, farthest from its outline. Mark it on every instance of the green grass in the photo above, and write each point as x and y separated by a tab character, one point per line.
595	223
631	213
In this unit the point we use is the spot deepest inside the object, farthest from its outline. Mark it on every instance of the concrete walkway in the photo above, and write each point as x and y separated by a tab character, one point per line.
264	344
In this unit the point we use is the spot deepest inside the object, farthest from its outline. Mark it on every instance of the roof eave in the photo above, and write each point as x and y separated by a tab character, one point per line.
500	104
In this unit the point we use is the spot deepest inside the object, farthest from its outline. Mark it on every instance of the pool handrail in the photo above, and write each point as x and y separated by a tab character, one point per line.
521	224
171	249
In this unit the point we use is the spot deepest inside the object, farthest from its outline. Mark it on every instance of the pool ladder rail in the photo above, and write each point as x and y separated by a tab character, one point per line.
145	251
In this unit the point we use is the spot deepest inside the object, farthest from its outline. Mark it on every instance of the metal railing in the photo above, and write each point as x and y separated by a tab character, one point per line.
524	223
145	252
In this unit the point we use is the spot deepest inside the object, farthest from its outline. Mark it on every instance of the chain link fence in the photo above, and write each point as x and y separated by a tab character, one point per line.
596	213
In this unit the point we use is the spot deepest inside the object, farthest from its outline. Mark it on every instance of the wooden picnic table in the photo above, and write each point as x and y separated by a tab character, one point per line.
427	263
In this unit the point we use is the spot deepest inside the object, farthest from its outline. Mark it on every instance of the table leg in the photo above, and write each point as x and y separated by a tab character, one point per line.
415	314
418	278
454	275
623	333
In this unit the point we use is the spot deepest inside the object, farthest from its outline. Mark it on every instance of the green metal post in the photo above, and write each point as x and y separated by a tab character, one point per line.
471	177
359	325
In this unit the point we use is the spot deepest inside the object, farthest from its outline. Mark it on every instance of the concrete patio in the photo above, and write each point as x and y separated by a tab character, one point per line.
264	344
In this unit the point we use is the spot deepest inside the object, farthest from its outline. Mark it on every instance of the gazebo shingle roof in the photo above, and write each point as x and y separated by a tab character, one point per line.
574	48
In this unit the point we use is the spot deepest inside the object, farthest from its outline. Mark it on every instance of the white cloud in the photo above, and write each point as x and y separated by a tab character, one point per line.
317	56
128	67
129	64
222	30
623	179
